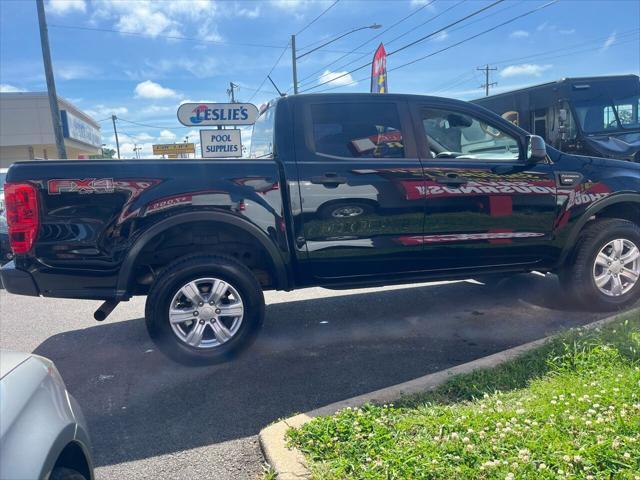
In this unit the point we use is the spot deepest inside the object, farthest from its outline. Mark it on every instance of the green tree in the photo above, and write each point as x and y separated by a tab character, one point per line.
106	153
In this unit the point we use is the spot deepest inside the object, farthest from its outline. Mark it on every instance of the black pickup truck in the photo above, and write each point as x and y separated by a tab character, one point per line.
340	190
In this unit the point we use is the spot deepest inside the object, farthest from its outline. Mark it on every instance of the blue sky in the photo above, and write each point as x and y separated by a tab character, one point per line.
181	50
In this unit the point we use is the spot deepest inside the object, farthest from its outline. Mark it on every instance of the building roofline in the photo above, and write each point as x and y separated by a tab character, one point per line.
61	100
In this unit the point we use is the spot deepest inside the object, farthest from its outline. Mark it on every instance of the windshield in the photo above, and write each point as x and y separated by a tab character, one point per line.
604	115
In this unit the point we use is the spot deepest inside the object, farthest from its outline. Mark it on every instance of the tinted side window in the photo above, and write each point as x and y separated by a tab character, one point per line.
458	135
357	130
262	137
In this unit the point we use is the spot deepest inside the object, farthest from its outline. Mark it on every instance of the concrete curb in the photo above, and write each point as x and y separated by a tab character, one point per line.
290	464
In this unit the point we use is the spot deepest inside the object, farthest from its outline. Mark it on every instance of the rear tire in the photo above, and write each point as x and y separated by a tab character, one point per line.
216	304
63	473
602	272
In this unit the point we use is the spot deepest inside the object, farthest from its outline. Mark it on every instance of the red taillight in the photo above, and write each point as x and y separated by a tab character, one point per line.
21	203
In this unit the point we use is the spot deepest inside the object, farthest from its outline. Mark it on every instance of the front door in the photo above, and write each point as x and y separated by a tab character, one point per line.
486	206
354	164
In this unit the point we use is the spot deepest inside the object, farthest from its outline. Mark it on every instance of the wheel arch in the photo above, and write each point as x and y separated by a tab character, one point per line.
75	456
598	208
124	286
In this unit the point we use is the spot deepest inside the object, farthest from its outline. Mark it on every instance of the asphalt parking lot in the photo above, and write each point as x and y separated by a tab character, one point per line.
151	418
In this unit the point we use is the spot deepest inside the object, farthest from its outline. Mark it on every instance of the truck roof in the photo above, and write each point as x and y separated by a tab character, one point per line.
567	81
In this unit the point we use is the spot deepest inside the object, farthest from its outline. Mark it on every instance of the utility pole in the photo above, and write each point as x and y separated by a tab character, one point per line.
230	91
115	131
486	84
293	64
51	84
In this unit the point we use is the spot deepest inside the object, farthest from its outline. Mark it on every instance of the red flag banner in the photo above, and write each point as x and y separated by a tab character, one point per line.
379	71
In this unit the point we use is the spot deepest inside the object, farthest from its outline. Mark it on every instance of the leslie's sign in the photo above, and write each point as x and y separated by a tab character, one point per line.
194	114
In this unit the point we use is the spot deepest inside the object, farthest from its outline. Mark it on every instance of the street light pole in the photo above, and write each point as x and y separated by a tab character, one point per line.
115	132
295	57
293	63
51	84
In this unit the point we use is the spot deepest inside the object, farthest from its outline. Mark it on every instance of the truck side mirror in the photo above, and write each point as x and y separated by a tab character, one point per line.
536	149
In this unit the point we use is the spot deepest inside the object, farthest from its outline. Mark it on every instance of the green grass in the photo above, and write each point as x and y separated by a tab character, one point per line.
570	409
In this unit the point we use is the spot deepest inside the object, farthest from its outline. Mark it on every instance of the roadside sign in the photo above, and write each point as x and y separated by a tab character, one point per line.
195	114
174	148
221	143
379	71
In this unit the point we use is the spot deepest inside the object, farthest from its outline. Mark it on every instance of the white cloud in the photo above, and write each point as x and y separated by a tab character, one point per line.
167	136
248	12
419	3
519	34
171	67
6	88
611	39
336	78
568	31
156	18
530	69
443	35
102	111
155	109
75	71
62	7
149	89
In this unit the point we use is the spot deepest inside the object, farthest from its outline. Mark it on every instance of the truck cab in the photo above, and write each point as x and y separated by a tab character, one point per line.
596	116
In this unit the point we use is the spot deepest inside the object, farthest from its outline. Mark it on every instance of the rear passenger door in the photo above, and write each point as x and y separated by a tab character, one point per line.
486	205
361	188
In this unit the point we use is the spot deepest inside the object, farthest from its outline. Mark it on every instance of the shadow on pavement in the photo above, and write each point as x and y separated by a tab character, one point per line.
311	352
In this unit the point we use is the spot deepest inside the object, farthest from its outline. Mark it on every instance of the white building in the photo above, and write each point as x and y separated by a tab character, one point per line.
26	130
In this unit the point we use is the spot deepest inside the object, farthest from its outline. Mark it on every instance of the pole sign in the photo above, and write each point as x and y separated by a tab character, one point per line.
174	148
379	71
196	114
221	143
77	129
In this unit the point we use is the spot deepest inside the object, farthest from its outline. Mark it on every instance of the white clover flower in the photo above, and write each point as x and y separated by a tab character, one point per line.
465	440
542	466
510	476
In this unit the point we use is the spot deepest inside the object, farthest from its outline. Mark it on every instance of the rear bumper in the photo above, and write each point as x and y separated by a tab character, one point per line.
18	281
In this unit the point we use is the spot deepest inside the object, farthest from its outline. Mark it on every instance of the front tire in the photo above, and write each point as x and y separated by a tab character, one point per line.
204	309
604	270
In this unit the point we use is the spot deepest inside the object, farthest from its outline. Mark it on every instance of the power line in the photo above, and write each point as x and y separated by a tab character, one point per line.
432	34
466	25
173	37
366	42
425	22
543	55
151	126
178	37
270	72
318	17
366	65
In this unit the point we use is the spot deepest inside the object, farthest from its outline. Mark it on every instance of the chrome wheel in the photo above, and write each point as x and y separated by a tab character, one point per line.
206	313
348	211
617	267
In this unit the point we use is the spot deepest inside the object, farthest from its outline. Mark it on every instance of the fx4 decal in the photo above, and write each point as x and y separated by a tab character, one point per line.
82	186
